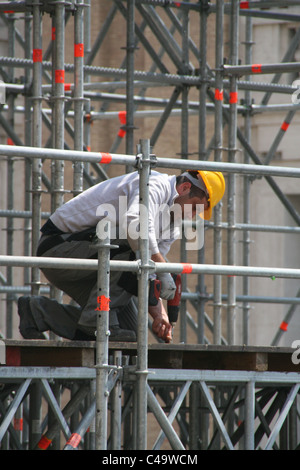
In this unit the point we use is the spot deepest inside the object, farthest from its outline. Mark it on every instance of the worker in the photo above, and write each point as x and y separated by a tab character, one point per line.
70	233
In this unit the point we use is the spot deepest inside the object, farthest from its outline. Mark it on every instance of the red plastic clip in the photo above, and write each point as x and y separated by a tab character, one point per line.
256	68
59	76
37	55
122	118
244	5
219	95
103	303
74	440
285	126
186	268
233	97
44	443
105	158
284	326
78	50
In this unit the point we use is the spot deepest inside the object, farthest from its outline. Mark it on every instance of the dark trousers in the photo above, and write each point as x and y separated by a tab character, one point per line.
81	286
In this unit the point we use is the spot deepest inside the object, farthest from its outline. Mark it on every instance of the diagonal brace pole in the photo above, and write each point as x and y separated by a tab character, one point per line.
13	407
55	408
216	415
163	421
172	415
284	412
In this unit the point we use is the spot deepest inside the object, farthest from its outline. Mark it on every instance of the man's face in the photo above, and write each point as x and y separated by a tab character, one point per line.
188	204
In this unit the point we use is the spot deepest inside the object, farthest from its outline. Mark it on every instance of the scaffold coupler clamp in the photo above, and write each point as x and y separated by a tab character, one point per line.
139	157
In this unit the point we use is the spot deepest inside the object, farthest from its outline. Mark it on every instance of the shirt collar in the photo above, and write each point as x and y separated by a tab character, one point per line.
174	193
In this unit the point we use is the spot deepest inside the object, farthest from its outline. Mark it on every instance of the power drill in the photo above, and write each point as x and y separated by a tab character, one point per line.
173	304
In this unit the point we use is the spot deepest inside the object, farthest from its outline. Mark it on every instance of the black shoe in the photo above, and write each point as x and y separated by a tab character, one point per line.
118	334
27	325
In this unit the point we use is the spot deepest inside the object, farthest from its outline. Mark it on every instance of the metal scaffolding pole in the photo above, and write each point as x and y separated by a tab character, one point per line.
184	148
59	100
102	308
143	277
10	178
231	185
202	149
130	48
218	144
27	141
36	137
171	163
247	183
78	93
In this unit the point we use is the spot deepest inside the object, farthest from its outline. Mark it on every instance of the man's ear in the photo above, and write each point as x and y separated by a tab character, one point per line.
184	188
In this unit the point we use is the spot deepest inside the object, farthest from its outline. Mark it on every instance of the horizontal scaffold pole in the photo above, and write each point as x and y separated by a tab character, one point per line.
120	159
258	69
171	79
135	266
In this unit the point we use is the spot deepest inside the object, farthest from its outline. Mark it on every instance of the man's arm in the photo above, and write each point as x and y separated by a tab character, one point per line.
158	258
161	325
168	287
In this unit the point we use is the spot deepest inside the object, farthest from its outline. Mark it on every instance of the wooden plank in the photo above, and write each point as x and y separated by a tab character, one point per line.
282	362
215	360
160	355
75	357
49	353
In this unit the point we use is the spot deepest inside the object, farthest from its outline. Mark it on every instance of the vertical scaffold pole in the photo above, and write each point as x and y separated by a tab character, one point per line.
201	421
87	104
102	308
142	346
130	49
218	157
36	136
247	184
10	181
78	93
249	416
202	151
28	142
59	100
58	111
232	142
116	412
184	152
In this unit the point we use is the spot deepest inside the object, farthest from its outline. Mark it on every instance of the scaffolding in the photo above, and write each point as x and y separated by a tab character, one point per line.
190	396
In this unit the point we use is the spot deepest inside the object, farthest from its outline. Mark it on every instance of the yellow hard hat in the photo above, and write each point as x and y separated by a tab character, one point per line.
215	185
212	183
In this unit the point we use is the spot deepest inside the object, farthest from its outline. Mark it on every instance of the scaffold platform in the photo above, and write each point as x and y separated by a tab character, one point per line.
51	353
202	396
85	99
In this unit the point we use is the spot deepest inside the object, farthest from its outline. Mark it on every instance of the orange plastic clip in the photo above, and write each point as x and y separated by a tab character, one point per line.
284	126
219	95
74	440
105	158
186	268
103	303
44	443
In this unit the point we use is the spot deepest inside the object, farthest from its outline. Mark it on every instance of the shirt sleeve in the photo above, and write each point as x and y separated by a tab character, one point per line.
159	193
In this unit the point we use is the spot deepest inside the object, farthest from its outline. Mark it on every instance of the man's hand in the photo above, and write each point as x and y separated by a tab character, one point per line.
161	325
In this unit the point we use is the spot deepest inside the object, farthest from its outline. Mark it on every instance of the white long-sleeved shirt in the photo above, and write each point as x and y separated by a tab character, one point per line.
117	200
